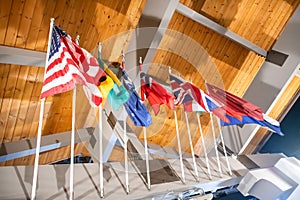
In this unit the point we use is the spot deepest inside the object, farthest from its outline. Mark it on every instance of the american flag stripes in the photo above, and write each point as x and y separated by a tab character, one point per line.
68	65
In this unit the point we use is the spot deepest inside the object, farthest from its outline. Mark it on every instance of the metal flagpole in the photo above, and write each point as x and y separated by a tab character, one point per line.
126	155
100	152
179	146
146	145
71	197
224	149
147	158
178	142
39	136
215	143
100	147
203	145
192	148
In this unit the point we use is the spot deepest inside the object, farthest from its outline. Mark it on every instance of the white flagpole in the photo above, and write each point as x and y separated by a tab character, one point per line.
179	147
146	145
100	152
39	136
192	148
203	146
224	149
126	156
178	142
147	158
214	136
215	143
71	197
100	144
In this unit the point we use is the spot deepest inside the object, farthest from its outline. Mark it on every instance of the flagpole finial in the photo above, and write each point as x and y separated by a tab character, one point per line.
100	47
77	39
140	61
123	59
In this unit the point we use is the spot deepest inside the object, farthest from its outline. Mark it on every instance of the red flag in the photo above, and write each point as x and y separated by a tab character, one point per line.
235	106
155	93
68	65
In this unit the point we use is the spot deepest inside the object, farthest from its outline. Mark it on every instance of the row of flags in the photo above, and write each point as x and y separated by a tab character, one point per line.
69	64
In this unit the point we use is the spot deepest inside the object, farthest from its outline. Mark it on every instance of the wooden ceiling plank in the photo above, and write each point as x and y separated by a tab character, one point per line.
227	70
245	76
215	10
282	15
7	102
35	106
25	23
4	71
15	107
43	35
31	105
75	10
259	34
36	21
258	62
236	23
5	8
58	13
244	20
14	22
256	21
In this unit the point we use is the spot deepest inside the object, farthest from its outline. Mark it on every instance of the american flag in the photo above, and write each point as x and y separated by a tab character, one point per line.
68	65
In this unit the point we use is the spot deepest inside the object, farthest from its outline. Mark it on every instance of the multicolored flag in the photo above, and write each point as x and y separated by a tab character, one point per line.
68	65
135	108
193	98
155	93
115	91
240	111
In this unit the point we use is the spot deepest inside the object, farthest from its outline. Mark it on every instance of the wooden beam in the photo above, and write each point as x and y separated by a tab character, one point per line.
190	13
18	56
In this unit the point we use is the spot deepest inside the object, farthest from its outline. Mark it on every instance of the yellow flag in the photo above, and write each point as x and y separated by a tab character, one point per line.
105	88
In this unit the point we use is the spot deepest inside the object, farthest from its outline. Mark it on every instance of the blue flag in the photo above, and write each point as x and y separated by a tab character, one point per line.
135	108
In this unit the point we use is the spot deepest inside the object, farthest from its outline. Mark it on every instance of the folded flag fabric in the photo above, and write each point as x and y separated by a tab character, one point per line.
193	98
234	105
155	93
105	87
135	108
69	64
240	111
117	94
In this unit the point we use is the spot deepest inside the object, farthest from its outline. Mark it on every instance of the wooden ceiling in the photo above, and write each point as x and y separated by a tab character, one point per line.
191	49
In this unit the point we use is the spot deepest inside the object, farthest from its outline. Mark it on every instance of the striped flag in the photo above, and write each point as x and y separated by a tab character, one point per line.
68	65
193	98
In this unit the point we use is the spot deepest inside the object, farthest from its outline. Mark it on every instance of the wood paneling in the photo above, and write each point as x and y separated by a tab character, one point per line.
260	22
25	24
